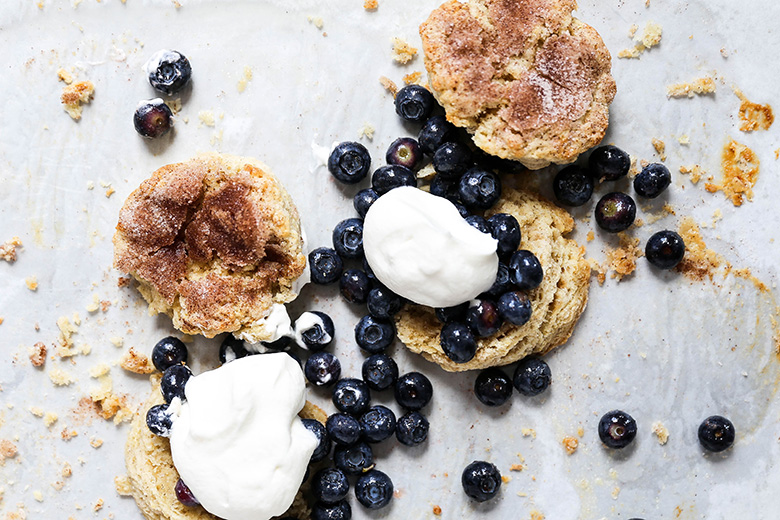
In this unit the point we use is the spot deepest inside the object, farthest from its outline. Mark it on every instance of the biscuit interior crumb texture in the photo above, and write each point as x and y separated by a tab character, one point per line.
8	249
528	80
650	37
74	95
215	242
699	86
740	173
403	53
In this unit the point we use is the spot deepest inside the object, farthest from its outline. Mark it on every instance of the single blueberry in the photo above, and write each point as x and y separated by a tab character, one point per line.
478	223
457	341
525	270
532	376
615	212
355	459
414	103
338	511
464	212
505	228
363	200
609	163
374	335
278	345
435	132
379	372
479	188
411	429
167	352
483	318
330	485
454	313
502	284
573	186
159	421
481	480
452	159
652	180
374	489
617	429
343	429
355	286
173	381
351	396
349	162
184	494
493	387
325	265
348	238
314	330
369	272
169	71
323	439
413	391
404	151
515	307
385	178
383	303
716	433
378	423
445	188
231	348
322	369
153	118
665	249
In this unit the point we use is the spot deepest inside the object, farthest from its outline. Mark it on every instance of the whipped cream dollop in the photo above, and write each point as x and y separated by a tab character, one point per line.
419	246
238	442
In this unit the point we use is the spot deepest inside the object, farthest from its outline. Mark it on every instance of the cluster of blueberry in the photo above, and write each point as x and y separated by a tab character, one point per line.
616	211
171	73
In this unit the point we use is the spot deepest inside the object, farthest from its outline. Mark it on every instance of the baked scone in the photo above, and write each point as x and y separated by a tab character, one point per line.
214	242
152	477
528	80
556	304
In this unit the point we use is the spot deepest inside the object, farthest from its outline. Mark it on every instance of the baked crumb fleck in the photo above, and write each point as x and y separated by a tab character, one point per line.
752	115
67	470
8	449
437	510
684	139
699	86
367	131
316	21
206	118
516	467
64	76
506	479
75	95
622	260
38	354
389	85
96	442
98	505
32	283
590	236
123	486
651	36
67	434
570	444
244	81
38	496
698	261
413	78
528	432
370	5
50	418
8	249
633	28
580	432
135	362
694	171
536	515
660	148
67	329
661	432
615	492
403	53
99	370
60	378
740	173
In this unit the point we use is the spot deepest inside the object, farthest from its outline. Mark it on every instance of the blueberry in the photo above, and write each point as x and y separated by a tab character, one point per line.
515	307
464	212
351	396
330	485
457	341
392	176
615	212
173	381
414	103
445	188
716	433
374	335
278	345
379	372
153	118
609	163
493	387
454	313
369	272
323	440
184	494
355	286
652	180
355	459
411	429
525	270
665	249
532	376
383	303
374	489
168	352
502	284
322	369
325	265
314	330
363	200
435	132
479	189
338	511
349	162
451	160
404	151
378	423
158	420
348	238
478	223
231	349
481	480
169	71
617	429
483	318
505	228
573	186
413	391
343	429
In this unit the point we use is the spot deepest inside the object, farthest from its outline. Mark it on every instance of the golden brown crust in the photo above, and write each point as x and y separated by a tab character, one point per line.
214	242
557	303
529	81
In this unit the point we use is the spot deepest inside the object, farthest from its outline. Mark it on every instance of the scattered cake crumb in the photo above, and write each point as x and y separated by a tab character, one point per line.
37	411
123	486
536	515
615	492
38	496
245	79
506	479
60	378
117	341
67	329
633	28
580	432
370	5
367	131
699	261
413	78
96	442
32	283
528	432
740	172
8	450
8	249
64	76
135	362
206	118
437	510
694	171
661	432
570	444
174	104
316	21
68	433
622	260
590	236
403	53
660	148
684	139
75	95
67	470
699	86
650	37
49	419
516	467
388	85
752	115
38	354
99	370
98	505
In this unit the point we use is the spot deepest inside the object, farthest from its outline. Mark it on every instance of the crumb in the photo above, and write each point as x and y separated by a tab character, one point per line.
95	442
367	131
1	320
403	53
580	432
437	510
615	492
67	329
740	173
110	191
32	283
316	21
135	362
506	479
206	118
60	378
37	411
98	505
123	281
651	36
632	30
174	104
99	370
76	94
536	515
590	236
660	148
684	139
64	76
58	486
752	115
516	467
695	172
38	354
698	261
413	78
67	434
716	216
95	305
123	486
8	450
699	86
724	52
528	432
117	341
49	419
388	85
38	496
570	444
661	432
67	470
244	81
599	270
622	260
371	5
426	172
8	249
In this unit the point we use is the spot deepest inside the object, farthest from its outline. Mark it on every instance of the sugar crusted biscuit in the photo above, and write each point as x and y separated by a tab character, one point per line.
556	304
530	82
215	242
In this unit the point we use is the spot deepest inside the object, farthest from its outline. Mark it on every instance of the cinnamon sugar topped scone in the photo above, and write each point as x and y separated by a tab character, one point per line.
528	80
215	243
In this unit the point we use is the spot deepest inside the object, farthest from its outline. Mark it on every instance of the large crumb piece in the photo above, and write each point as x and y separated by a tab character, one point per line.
60	378
123	485
699	261
752	115
403	53
413	78
694	171
7	449
8	249
38	354
68	327
32	283
660	148
370	5
622	260
699	86
570	444
740	173
650	37
75	95
64	76
388	85
135	362
661	432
